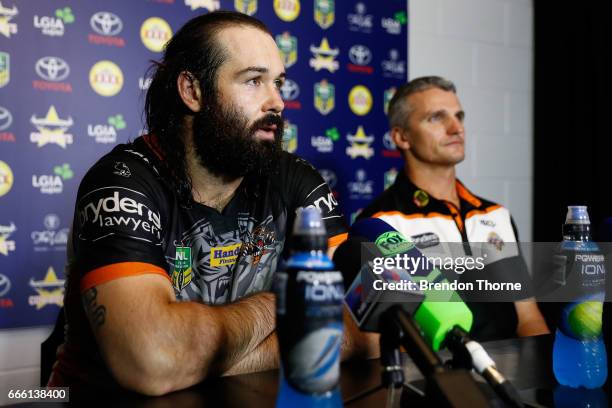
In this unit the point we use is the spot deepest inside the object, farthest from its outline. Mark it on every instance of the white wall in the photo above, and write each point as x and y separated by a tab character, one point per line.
486	48
20	359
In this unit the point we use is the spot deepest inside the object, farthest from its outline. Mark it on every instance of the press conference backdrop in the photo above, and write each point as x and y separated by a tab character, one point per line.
73	75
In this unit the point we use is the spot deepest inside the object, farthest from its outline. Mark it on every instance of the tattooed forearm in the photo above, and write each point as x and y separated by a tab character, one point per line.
95	312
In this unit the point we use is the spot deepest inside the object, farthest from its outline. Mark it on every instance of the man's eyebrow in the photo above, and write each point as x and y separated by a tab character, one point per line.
261	70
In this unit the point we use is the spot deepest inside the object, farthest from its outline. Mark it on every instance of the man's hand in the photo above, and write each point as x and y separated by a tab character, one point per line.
530	320
153	344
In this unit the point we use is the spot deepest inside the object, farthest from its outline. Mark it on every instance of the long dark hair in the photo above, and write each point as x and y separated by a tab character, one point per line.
195	49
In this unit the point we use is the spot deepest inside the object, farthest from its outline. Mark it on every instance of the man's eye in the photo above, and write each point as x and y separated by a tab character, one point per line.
279	83
254	81
435	117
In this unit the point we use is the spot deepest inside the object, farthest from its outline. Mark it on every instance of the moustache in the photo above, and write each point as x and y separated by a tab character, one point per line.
268	121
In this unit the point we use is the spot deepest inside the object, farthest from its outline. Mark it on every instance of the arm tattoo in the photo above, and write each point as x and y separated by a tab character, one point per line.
96	312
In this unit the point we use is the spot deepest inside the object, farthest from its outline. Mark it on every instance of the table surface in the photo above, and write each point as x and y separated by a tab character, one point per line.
527	362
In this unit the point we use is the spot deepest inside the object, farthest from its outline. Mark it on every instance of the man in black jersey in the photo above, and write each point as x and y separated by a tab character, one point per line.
432	208
177	235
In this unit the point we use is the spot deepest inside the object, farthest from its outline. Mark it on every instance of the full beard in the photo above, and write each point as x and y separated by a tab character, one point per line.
225	144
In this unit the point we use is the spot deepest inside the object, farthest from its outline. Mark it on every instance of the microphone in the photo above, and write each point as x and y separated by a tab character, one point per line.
459	343
437	314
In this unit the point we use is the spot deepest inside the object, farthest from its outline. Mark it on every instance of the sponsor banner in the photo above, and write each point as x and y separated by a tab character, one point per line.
74	78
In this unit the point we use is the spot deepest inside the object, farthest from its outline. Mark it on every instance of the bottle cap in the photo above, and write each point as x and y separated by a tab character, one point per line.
308	221
577	214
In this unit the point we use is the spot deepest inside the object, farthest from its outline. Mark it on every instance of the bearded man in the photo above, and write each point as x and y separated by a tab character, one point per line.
177	235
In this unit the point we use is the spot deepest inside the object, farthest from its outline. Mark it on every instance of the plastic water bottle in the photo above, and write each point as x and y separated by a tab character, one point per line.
309	298
579	352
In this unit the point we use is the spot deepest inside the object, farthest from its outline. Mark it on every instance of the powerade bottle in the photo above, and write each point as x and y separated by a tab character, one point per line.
579	353
309	298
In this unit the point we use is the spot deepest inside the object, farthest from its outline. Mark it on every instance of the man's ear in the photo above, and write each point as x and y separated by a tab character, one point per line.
400	138
189	90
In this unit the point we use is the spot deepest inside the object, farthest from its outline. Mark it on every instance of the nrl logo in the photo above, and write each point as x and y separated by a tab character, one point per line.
287	45
51	129
324	97
324	14
324	57
246	6
290	137
360	144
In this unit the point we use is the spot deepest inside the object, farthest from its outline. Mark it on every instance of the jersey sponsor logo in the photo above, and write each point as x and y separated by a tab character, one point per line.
6	120
121	169
6	178
394	67
324	97
106	26
155	32
390	149
360	57
288	47
361	187
487	223
425	240
287	10
389	177
420	198
53	70
106	78
51	129
54	26
325	203
290	92
495	240
360	100
290	137
120	209
50	290
360	20
225	255
393	25
7	245
324	56
360	144
106	132
52	238
324	13
53	183
6	15
5	69
246	6
210	5
330	177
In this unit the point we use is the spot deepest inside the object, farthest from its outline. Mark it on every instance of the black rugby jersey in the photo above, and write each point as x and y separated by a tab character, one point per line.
128	222
478	226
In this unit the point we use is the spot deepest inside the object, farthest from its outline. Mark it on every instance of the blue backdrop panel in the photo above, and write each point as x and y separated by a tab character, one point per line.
72	82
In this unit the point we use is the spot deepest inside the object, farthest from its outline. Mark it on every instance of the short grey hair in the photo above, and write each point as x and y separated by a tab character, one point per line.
400	109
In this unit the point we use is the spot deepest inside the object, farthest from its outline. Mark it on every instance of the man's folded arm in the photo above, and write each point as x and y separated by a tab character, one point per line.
153	344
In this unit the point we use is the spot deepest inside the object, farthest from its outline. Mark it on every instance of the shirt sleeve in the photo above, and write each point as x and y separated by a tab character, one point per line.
118	226
306	188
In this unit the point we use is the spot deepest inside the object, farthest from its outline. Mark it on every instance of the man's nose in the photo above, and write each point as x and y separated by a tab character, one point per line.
454	126
274	102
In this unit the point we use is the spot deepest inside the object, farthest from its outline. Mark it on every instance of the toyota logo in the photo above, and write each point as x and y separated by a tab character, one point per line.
329	177
6	119
360	54
52	69
51	221
105	23
388	141
5	285
290	90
